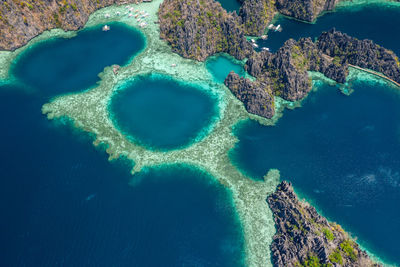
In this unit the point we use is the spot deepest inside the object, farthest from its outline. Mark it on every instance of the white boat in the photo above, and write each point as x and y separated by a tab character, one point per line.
106	28
253	41
118	13
278	28
107	16
255	45
264	37
270	26
173	65
265	48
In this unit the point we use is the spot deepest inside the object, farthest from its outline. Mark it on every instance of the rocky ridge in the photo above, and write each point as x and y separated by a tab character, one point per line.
286	71
307	10
20	21
257	96
197	29
256	15
305	238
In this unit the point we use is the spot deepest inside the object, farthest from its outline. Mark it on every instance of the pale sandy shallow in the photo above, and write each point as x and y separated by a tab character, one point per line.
88	111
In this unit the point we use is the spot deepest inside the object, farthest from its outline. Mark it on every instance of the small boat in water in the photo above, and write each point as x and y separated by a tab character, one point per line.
264	37
265	48
275	28
106	28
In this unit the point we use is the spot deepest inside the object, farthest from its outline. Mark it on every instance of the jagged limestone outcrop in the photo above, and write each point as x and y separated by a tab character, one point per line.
286	71
256	15
305	238
20	21
345	50
307	10
197	29
257	96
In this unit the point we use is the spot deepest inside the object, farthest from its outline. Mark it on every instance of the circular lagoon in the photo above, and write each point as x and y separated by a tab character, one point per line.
161	113
61	65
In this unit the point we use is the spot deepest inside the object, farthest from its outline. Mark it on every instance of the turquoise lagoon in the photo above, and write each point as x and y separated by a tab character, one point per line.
161	113
230	5
64	65
61	200
221	65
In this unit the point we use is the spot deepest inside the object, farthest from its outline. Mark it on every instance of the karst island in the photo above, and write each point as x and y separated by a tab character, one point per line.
200	133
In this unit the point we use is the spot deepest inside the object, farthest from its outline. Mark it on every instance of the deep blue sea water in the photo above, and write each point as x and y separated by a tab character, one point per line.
63	204
375	21
66	65
162	113
221	65
230	5
342	153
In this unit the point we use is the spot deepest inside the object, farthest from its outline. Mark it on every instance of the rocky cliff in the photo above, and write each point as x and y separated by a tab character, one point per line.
197	29
305	238
257	96
20	21
307	10
256	15
345	50
286	71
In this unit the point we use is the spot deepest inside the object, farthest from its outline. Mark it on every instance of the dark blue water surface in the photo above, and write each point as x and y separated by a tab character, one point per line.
230	5
63	204
162	113
64	65
221	65
343	154
374	21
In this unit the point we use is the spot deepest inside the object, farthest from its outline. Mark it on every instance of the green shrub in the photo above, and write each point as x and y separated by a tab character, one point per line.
328	234
347	247
336	257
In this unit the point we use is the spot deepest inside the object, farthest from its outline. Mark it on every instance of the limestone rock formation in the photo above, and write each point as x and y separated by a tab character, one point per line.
20	21
286	71
345	49
257	96
197	29
305	238
256	15
307	10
